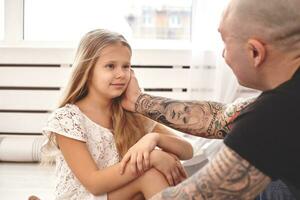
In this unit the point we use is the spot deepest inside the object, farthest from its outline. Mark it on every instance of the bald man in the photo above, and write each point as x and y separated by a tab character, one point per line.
262	47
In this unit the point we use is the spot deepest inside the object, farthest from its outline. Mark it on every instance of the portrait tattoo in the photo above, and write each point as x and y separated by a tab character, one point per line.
201	118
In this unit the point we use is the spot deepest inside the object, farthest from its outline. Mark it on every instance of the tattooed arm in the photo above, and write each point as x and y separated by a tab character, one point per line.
227	176
201	118
197	118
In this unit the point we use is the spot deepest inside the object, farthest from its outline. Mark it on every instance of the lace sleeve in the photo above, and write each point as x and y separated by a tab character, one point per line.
67	123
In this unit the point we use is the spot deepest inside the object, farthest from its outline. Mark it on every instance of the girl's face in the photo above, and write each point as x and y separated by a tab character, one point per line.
111	72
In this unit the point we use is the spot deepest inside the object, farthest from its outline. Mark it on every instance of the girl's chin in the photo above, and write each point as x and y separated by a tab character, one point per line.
116	95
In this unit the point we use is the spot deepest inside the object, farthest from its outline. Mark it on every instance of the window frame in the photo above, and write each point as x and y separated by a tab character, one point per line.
2	19
16	50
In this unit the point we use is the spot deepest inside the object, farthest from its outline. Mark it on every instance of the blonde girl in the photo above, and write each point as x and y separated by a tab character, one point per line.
90	133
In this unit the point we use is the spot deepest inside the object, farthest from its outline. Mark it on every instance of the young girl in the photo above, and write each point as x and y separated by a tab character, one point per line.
90	132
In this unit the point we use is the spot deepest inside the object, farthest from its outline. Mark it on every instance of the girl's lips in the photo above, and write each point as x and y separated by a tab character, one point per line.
118	85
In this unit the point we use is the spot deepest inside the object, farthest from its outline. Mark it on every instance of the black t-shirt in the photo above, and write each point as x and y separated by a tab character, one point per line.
267	133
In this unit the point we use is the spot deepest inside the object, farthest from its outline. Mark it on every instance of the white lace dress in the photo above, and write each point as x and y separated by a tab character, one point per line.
71	122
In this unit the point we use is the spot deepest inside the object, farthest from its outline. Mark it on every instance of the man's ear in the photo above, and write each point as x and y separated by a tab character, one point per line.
257	51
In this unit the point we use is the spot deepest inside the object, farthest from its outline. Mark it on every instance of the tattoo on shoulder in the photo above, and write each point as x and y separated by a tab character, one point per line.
227	176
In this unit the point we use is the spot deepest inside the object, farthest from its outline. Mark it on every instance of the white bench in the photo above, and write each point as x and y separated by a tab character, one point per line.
29	93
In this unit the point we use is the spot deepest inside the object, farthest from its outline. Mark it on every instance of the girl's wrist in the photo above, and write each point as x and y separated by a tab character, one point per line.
153	157
156	138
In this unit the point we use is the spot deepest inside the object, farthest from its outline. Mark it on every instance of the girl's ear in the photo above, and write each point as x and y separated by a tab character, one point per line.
257	51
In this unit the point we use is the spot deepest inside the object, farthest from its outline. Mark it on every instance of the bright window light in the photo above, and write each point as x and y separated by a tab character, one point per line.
1	19
67	20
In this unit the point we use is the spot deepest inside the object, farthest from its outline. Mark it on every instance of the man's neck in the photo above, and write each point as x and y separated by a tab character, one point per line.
276	76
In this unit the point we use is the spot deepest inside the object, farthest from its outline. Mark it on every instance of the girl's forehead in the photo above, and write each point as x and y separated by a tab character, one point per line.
114	54
114	49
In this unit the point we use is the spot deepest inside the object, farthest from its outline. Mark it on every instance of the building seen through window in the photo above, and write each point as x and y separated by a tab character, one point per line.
160	19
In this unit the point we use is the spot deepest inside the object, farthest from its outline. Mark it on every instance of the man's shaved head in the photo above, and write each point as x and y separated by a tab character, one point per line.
272	21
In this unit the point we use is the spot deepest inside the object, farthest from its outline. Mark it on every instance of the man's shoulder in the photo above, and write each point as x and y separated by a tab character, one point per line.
286	97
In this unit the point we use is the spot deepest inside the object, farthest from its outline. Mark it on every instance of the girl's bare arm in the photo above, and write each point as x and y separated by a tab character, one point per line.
170	142
85	169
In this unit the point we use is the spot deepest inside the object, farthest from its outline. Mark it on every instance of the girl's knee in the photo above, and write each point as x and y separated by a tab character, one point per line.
153	174
152	182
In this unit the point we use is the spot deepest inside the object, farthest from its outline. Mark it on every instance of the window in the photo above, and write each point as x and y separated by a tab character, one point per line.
148	18
174	21
162	19
1	19
66	20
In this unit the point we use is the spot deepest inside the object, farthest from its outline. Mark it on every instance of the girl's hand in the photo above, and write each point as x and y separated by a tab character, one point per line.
138	155
169	165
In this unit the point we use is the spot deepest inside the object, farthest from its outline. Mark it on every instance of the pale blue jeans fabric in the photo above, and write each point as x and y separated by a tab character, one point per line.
276	190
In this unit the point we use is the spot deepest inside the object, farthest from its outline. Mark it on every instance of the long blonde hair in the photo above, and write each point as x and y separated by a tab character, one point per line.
128	127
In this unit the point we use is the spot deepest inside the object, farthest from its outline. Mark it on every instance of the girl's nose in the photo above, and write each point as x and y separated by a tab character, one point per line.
119	72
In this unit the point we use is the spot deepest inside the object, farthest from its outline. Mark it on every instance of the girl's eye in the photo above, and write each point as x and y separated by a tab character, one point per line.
110	66
186	109
126	66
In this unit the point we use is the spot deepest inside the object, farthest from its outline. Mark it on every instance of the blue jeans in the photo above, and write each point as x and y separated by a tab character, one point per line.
276	190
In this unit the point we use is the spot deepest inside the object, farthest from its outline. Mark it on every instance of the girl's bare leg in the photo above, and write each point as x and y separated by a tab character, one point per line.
144	187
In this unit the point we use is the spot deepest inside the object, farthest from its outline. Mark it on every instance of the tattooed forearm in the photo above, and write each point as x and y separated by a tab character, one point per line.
202	118
197	118
227	176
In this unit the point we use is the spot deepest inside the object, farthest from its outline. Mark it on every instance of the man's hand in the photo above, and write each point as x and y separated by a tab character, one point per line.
131	94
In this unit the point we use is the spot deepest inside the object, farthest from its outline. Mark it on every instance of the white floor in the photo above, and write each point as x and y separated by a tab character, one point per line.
20	180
